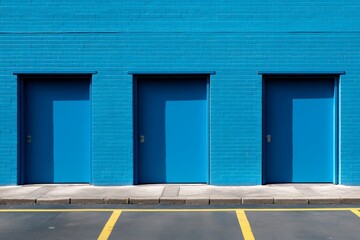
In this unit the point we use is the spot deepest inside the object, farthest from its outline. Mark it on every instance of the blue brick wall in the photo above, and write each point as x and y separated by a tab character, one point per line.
234	38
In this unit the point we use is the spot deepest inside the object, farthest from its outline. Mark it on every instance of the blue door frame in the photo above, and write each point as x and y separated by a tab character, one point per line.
136	96
267	81
60	108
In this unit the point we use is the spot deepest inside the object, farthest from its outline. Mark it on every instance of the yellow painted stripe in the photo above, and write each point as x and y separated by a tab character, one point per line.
56	210
356	212
244	225
183	210
297	209
111	210
179	210
248	210
105	233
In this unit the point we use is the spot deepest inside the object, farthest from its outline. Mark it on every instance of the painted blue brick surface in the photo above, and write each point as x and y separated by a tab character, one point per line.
234	38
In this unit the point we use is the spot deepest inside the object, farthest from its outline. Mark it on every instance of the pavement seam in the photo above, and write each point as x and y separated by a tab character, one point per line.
162	192
50	189
171	191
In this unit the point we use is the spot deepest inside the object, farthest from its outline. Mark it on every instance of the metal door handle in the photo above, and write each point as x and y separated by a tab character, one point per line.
268	138
28	138
142	138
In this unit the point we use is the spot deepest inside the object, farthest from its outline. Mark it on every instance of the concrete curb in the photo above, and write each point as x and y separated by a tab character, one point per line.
350	200
259	200
197	201
291	201
114	200
321	200
183	200
53	201
18	201
172	200
144	200
225	201
86	200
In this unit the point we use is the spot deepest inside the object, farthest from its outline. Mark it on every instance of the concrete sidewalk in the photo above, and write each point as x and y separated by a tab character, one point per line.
181	194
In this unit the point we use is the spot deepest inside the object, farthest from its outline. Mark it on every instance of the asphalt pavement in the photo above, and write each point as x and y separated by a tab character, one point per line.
164	222
52	225
296	225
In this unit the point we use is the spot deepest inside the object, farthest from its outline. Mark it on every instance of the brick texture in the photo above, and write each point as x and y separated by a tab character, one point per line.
234	38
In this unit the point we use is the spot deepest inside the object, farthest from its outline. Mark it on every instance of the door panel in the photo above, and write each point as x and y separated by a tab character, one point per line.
172	118
300	119
57	118
39	135
185	141
71	141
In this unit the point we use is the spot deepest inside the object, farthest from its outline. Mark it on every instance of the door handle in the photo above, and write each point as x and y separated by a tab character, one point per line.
28	138
268	138
142	138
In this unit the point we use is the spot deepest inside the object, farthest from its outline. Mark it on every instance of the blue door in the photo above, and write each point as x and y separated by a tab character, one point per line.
299	130
57	130
172	130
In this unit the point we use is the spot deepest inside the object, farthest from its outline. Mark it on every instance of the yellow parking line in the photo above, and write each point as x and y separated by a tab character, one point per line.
182	210
244	225
234	209
245	209
356	212
56	210
105	233
298	209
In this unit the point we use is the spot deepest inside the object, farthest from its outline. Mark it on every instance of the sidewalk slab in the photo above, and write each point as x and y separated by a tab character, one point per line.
171	191
20	191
